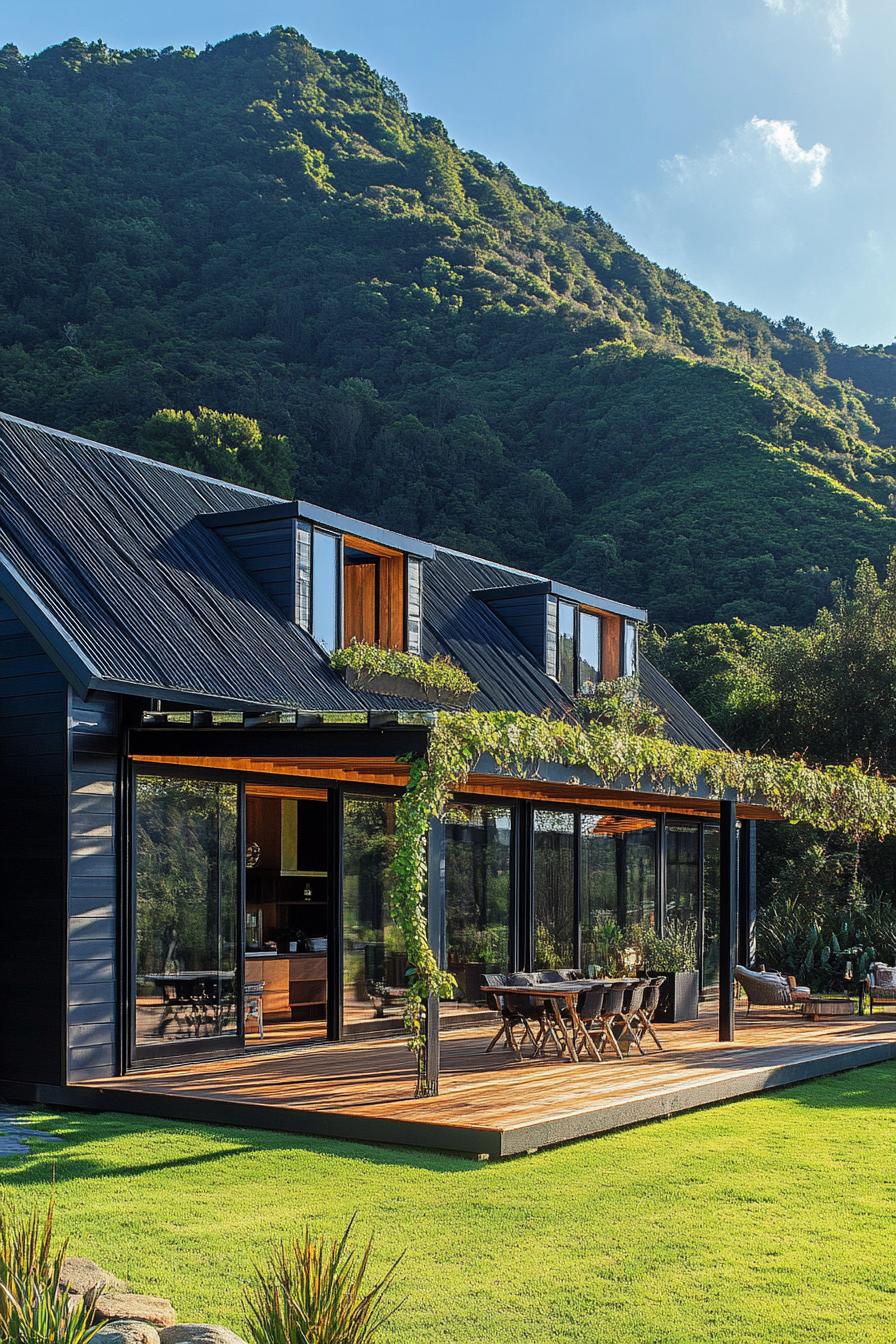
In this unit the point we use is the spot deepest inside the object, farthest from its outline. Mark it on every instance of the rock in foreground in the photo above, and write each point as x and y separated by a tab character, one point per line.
127	1332
80	1275
199	1334
115	1306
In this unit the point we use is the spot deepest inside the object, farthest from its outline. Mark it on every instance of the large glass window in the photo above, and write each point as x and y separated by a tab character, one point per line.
640	872
554	875
601	855
566	646
187	893
374	960
477	895
588	673
683	872
325	589
711	901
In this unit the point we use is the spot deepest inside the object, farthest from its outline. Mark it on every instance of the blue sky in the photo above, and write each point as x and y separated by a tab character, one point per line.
746	142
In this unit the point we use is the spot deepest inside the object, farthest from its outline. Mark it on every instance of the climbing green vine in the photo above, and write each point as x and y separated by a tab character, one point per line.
842	798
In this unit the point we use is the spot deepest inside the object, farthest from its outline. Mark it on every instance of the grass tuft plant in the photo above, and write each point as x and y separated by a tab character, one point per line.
34	1306
312	1292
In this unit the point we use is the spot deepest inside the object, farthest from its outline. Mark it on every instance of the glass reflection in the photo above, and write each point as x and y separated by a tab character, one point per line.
186	909
477	895
374	960
554	876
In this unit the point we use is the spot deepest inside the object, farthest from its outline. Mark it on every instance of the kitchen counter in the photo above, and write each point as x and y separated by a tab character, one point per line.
293	981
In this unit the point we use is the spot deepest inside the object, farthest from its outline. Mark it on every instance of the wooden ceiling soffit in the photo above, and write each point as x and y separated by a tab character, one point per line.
386	771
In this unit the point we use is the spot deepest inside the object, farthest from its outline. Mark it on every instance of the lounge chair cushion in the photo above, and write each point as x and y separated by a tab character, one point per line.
884	976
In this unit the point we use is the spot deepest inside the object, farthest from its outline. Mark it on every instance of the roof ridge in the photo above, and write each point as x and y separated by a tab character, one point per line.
138	457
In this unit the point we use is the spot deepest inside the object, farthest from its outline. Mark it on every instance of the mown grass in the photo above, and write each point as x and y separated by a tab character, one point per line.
771	1219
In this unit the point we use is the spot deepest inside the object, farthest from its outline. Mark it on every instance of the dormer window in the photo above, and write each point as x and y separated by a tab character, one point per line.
351	588
573	647
336	577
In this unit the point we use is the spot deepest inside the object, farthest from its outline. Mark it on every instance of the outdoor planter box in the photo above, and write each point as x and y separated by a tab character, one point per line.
385	683
679	996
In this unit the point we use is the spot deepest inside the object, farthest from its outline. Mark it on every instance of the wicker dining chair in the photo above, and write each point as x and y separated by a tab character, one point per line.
611	1014
649	1004
591	1023
537	1011
632	1002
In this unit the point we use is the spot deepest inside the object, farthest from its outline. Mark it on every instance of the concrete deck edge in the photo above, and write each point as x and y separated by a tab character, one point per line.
691	1097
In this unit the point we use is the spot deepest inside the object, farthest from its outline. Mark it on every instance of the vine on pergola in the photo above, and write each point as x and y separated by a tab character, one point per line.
842	798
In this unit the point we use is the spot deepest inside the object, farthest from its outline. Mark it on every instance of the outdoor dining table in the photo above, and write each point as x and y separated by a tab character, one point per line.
559	994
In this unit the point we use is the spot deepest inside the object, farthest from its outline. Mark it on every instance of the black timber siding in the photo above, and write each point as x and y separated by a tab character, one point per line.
93	887
267	552
33	777
527	618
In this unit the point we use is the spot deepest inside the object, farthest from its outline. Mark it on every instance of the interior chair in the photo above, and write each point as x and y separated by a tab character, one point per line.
253	998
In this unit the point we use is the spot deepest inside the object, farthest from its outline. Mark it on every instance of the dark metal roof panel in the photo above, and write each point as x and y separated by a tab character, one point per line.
112	548
683	723
465	627
110	555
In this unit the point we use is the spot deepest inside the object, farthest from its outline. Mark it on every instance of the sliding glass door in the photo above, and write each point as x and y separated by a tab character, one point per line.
478	864
374	961
709	949
186	928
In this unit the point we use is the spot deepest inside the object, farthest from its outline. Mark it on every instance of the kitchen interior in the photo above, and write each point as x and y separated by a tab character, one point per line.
287	894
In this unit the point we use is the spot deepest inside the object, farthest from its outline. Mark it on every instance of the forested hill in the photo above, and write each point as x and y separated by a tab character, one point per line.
265	228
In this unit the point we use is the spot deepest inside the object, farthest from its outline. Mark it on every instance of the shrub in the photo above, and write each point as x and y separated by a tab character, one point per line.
675	951
312	1292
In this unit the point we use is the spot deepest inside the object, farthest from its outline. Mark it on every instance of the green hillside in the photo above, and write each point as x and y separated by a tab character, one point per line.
266	229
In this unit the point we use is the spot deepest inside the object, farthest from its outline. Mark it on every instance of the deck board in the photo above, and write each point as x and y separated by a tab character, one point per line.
494	1104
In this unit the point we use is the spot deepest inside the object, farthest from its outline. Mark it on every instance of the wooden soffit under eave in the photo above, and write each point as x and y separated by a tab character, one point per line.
385	771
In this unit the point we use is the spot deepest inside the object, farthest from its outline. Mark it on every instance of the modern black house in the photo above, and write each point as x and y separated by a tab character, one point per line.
199	811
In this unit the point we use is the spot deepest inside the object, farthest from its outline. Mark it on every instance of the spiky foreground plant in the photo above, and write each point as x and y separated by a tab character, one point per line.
312	1291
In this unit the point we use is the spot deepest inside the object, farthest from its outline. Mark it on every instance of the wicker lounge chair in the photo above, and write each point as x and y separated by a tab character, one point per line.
771	989
880	986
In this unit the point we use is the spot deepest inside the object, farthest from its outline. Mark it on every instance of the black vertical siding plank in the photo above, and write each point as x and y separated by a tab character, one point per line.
33	705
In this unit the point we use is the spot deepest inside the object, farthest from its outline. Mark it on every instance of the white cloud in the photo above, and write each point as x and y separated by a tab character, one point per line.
747	154
834	15
780	138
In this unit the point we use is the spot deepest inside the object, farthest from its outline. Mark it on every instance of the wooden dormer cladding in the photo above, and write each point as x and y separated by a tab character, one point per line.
374	593
611	646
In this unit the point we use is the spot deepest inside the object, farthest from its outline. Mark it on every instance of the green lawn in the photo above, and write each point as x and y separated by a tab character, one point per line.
771	1219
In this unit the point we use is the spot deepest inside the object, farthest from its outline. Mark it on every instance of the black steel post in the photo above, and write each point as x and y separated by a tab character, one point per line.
727	918
433	1046
746	922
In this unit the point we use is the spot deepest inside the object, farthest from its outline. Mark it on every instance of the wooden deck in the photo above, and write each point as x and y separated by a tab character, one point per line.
493	1105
